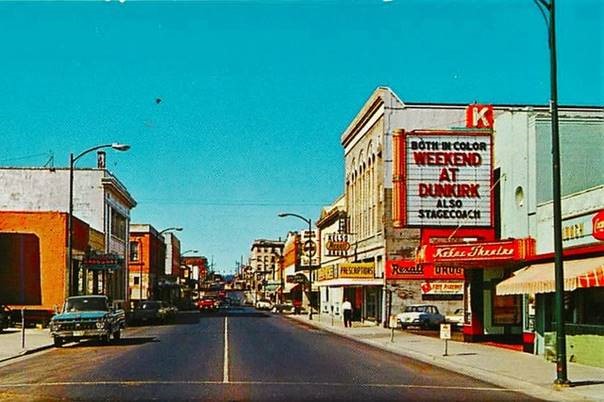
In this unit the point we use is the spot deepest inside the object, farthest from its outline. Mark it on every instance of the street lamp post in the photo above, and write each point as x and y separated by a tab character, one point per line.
69	285
182	255
309	255
171	229
561	368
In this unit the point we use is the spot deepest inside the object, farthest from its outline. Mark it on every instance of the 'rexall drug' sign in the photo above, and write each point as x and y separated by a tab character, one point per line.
442	178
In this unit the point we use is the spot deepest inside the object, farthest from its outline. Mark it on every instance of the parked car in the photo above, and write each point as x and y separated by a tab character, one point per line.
171	310
264	304
420	315
457	318
285	307
5	317
87	317
207	304
152	311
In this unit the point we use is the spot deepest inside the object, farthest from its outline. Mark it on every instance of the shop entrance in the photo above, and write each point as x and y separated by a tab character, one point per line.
355	295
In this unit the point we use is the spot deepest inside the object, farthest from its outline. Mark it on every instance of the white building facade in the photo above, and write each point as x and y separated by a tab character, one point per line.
99	199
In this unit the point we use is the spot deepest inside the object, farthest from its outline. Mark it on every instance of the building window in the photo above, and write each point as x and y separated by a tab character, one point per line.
134	251
137	280
118	225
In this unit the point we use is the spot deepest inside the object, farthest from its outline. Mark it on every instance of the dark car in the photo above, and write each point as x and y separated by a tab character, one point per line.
151	311
5	317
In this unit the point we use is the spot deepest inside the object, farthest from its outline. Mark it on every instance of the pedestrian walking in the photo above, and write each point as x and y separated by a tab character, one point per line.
347	310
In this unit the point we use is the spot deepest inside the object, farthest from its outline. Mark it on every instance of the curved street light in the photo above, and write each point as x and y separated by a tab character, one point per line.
171	229
72	161
308	253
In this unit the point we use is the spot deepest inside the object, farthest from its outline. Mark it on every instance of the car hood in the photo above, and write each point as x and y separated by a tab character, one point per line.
80	315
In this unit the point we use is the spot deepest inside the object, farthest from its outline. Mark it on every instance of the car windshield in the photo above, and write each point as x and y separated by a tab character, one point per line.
416	309
86	304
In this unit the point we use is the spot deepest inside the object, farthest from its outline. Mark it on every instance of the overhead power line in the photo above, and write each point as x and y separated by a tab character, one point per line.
230	203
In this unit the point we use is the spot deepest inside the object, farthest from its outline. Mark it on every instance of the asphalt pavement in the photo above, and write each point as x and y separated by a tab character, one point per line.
236	356
527	373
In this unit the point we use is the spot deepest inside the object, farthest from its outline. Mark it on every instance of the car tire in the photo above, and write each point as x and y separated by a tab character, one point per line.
57	342
117	335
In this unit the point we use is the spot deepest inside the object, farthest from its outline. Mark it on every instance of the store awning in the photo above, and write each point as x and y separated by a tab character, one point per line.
351	282
540	278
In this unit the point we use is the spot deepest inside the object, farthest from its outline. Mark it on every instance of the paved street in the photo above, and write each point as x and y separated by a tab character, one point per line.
268	358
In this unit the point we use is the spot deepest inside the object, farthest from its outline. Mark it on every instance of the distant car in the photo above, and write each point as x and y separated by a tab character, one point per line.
207	304
264	304
151	311
233	301
457	318
5	317
420	315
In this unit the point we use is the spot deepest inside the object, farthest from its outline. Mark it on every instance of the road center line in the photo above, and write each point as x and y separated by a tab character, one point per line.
225	372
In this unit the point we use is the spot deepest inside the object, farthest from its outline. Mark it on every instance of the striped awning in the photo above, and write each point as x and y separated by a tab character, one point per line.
540	278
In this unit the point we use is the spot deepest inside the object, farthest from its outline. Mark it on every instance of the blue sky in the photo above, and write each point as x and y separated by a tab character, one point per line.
255	95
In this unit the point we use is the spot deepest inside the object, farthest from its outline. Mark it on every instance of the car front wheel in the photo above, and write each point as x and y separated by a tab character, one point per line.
57	342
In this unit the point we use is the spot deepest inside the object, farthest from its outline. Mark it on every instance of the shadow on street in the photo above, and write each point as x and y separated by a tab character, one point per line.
130	341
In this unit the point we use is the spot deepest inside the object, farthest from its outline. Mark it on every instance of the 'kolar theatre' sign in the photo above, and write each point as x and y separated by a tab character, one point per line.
442	178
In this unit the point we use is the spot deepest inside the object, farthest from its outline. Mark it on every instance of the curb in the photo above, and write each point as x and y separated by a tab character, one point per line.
27	352
530	389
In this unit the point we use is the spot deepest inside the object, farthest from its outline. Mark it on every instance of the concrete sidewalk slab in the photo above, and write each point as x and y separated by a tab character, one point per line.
11	342
526	373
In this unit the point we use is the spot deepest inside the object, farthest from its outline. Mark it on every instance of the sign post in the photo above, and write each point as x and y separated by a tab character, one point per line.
445	333
22	327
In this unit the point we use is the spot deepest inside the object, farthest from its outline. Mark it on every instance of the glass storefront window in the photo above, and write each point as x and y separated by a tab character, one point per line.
507	310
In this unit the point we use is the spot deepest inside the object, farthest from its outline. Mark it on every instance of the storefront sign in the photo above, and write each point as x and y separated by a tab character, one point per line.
298	278
103	262
582	230
336	244
503	251
443	178
326	273
357	270
442	288
308	241
408	269
598	225
480	116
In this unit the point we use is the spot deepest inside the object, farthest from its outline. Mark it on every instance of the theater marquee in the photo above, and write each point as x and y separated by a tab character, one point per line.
442	178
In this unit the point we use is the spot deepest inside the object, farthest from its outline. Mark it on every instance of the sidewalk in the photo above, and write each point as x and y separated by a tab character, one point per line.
526	373
35	340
